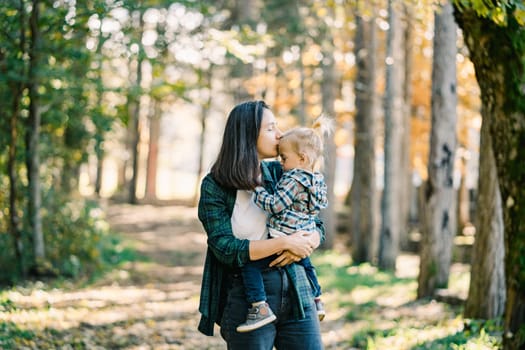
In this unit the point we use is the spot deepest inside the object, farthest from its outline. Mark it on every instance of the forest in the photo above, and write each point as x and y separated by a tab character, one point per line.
112	111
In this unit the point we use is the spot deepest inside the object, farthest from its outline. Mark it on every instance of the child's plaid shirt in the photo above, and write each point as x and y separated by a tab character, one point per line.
298	198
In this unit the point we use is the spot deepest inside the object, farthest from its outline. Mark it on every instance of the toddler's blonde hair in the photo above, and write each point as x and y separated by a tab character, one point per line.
309	141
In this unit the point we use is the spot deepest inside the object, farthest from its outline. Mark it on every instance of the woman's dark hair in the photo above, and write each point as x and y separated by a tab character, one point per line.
237	165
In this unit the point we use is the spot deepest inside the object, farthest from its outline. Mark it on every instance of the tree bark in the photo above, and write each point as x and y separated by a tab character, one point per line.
16	88
248	12
463	206
406	164
153	151
99	140
364	199
205	80
440	197
486	297
32	139
328	98
135	117
498	55
14	220
393	106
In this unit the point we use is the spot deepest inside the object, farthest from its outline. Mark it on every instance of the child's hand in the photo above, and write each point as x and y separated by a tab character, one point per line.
285	258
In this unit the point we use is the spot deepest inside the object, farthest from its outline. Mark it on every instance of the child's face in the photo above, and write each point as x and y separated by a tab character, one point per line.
289	158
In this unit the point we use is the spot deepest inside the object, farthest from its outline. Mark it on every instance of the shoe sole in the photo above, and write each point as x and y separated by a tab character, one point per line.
255	326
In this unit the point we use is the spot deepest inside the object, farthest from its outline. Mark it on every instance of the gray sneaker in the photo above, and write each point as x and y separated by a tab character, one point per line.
257	317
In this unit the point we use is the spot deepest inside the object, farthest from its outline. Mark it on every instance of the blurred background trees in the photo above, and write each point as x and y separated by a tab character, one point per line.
126	100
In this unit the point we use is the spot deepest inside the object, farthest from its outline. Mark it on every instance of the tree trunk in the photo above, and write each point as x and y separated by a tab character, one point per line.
302	88
33	137
497	53
135	118
99	153
17	88
440	198
463	205
406	166
206	79
486	297
248	13
14	220
99	140
328	98
364	199
390	209
153	151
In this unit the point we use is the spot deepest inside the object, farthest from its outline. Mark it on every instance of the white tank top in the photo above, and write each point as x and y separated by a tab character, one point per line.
248	220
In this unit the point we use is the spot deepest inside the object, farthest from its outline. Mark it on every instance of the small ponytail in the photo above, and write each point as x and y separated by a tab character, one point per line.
324	126
310	140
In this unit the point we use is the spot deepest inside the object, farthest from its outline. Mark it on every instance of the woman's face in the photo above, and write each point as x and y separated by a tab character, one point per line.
269	136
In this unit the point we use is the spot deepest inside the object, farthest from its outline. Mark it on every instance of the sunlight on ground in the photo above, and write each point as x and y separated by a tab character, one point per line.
153	304
103	305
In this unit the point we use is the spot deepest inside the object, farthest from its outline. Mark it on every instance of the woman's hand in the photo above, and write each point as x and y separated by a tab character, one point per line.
314	238
301	243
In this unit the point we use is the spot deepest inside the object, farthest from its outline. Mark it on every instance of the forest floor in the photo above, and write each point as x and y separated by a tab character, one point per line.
152	303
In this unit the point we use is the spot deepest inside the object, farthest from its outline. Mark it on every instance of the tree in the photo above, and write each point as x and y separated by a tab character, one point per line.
495	36
33	137
134	97
486	296
248	14
440	199
406	166
205	80
101	121
393	106
364	199
12	92
328	99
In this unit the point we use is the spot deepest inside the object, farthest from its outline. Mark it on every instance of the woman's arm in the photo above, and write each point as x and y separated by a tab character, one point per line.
215	208
298	244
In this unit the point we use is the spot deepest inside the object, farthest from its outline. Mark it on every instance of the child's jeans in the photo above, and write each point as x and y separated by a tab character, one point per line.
253	281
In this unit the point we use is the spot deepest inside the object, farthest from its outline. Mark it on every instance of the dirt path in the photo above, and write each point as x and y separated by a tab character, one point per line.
172	238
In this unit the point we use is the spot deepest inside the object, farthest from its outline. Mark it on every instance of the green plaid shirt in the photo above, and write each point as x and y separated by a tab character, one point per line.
227	253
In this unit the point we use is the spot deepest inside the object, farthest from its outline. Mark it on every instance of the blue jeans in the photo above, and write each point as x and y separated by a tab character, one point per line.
287	333
253	281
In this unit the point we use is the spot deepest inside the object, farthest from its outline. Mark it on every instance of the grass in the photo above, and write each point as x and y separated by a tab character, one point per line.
372	309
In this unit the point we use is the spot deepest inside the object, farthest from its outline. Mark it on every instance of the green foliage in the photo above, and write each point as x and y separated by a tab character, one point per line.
497	11
78	242
8	272
74	231
7	305
11	336
475	334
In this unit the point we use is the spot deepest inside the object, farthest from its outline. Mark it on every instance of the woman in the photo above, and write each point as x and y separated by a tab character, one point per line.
228	214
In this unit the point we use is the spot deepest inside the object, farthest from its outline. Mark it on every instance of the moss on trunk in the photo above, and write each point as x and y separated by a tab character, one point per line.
498	54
